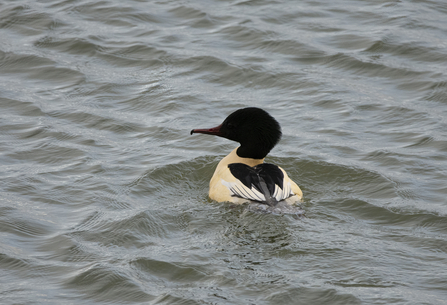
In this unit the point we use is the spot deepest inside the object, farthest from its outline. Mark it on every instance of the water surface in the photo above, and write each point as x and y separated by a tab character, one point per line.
103	192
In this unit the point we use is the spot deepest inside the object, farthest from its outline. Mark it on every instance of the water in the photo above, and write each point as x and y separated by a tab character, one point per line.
103	193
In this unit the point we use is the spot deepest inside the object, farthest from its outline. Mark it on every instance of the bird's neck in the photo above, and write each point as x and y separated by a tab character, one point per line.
234	157
252	151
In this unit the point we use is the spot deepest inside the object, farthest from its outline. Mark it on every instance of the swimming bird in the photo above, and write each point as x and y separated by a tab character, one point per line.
242	176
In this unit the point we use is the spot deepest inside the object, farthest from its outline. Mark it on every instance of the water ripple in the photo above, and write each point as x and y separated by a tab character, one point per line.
104	194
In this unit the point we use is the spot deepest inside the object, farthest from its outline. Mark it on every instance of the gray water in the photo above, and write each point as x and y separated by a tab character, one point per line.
103	192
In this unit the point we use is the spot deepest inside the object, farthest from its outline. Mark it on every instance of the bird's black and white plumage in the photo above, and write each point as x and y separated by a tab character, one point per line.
242	175
262	183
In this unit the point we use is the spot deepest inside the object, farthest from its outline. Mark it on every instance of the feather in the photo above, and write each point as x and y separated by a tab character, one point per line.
262	183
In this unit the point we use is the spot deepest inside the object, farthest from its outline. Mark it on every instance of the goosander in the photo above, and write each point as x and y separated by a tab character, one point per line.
242	176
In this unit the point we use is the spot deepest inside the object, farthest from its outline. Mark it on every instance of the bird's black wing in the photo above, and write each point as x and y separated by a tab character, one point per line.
263	182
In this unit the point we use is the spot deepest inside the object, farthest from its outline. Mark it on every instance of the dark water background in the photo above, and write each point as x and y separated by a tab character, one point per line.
103	192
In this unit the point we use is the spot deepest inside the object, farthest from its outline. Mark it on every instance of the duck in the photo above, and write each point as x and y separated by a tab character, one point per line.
243	176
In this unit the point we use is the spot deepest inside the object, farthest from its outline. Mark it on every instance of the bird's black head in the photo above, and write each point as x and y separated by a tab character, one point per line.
255	129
